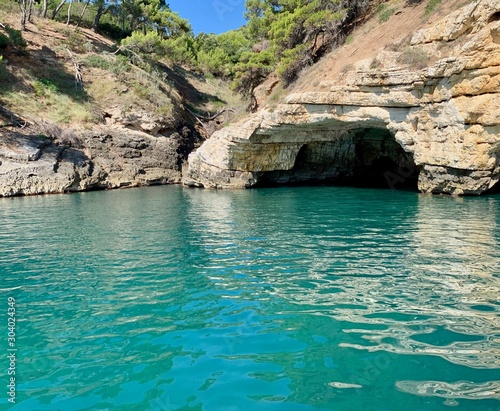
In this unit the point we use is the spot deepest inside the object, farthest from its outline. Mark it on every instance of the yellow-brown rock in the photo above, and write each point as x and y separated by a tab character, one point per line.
445	119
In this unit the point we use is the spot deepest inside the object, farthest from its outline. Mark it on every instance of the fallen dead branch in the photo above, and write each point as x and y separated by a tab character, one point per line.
14	119
78	71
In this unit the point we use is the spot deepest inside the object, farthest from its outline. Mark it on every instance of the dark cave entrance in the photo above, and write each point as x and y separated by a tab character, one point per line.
369	157
493	190
494	17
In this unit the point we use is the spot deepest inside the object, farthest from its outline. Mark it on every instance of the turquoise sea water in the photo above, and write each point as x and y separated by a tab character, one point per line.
293	299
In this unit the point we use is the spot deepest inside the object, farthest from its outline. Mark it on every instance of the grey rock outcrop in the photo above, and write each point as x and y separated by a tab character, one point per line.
445	119
101	159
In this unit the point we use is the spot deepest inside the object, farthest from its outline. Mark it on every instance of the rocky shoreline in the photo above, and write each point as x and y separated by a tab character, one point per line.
104	158
439	124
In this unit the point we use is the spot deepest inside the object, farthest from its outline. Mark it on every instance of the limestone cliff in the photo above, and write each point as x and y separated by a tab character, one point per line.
431	111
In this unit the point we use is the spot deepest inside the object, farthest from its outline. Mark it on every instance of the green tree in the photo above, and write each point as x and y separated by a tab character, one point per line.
251	71
219	54
102	8
181	49
145	44
299	31
260	15
157	31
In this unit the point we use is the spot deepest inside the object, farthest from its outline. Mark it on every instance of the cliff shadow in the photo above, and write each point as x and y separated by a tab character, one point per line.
45	74
194	97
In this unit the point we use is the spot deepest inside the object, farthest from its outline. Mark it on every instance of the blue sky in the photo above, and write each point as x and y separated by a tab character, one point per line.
210	16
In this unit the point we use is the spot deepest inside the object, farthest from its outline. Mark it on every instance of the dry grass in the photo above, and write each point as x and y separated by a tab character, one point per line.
218	94
414	57
277	96
51	106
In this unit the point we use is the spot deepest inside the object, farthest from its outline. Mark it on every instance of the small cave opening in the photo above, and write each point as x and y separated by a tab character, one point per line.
493	190
368	158
494	17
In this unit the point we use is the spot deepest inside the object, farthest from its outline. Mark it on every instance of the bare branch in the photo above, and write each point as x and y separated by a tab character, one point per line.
127	50
211	118
78	71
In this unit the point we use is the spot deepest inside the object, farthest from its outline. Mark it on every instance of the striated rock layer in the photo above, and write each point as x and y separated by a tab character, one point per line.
99	159
440	123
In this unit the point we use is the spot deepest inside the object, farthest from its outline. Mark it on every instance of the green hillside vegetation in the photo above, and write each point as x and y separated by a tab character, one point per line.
281	35
67	75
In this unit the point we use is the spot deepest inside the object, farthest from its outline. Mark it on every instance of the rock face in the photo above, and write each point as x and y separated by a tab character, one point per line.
439	123
101	159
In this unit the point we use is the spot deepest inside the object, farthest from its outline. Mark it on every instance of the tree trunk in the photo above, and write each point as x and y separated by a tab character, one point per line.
97	19
30	10
24	13
82	14
44	9
58	8
69	12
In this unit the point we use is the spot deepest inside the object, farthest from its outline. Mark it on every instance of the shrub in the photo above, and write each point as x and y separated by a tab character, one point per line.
146	44
16	37
3	71
431	6
69	138
346	68
44	87
49	131
76	42
113	31
414	57
9	7
375	63
97	61
115	64
121	65
12	39
385	13
46	130
4	41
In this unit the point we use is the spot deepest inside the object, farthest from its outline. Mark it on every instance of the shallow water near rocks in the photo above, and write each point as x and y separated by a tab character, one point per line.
293	299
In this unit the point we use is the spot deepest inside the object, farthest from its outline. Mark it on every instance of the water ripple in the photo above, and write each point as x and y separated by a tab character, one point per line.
289	299
459	390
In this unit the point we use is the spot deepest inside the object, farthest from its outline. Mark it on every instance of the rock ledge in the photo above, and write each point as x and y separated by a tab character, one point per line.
445	119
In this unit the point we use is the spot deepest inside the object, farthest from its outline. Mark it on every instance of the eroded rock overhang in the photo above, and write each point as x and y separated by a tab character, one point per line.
446	118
